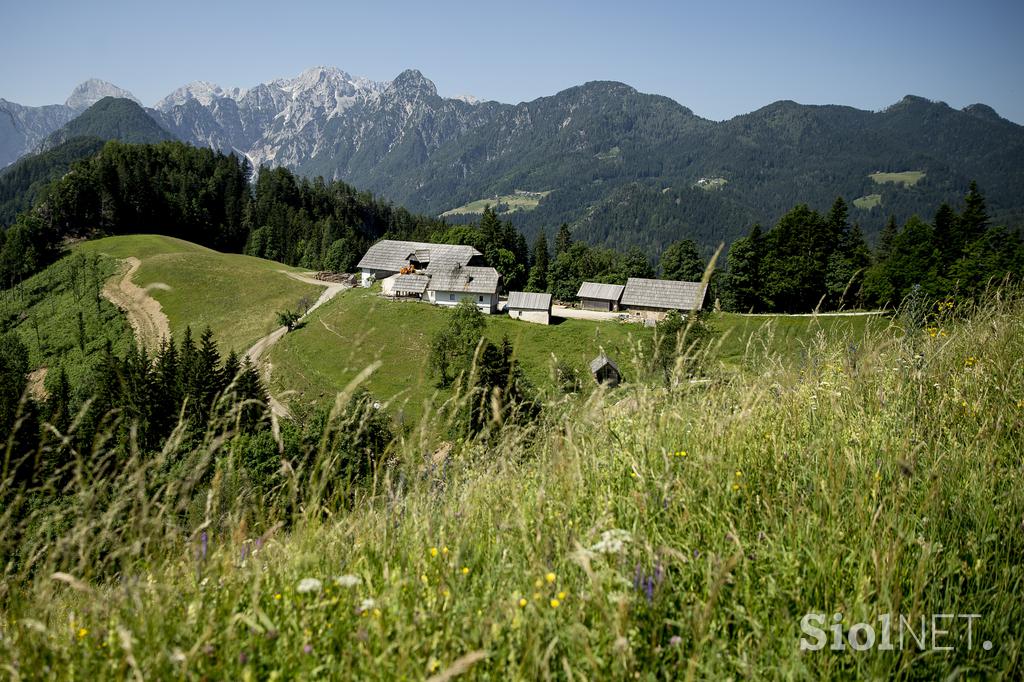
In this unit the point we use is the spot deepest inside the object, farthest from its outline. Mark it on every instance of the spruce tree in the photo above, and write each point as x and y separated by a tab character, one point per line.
681	261
538	280
563	240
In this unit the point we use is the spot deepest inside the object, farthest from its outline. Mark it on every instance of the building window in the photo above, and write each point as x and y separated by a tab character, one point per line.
451	297
481	299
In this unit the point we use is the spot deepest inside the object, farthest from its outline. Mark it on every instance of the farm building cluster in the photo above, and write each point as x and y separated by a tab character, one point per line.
445	274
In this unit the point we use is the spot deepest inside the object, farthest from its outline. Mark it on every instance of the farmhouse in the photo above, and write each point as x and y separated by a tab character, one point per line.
653	298
388	256
603	297
529	307
451	282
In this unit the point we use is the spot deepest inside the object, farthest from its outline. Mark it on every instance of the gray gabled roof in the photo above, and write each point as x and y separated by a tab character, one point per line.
663	293
392	255
605	292
522	300
410	284
600	361
468	279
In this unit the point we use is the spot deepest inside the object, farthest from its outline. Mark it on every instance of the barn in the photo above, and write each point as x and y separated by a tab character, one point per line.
653	298
529	307
601	297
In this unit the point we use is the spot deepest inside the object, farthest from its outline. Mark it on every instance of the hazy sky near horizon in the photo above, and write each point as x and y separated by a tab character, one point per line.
720	59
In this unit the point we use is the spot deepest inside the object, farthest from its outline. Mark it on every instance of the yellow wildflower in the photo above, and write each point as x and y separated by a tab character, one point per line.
551	577
433	551
82	632
538	583
277	597
735	486
561	595
554	603
444	550
465	570
377	612
522	602
424	579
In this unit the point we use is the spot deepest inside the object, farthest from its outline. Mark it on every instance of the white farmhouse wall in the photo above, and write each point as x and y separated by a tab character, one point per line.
489	304
535	316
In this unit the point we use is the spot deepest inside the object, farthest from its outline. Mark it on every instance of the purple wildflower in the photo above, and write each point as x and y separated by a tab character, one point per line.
649	589
203	543
676	640
307	648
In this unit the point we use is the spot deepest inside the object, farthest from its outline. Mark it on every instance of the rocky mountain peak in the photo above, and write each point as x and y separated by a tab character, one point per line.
413	83
93	90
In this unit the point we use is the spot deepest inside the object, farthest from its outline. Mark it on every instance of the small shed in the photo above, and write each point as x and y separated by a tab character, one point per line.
605	371
601	297
531	307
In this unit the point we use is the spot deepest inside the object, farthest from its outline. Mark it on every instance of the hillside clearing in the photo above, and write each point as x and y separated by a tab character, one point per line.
521	200
868	202
905	178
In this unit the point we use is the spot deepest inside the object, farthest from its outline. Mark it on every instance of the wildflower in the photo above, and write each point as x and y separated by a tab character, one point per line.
538	583
377	613
739	474
309	585
347	580
554	603
522	602
367	604
612	541
277	597
445	593
307	648
465	570
433	551
433	665
561	596
82	633
676	640
735	486
551	577
424	579
444	550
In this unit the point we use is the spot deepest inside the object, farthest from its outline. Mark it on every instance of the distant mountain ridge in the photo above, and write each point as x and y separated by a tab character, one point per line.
621	166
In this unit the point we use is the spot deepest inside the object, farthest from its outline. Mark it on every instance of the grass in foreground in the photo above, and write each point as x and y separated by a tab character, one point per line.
641	533
237	296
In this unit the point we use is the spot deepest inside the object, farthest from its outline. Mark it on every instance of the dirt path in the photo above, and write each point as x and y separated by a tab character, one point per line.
143	311
260	348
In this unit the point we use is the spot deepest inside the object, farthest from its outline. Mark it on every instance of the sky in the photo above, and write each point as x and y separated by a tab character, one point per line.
720	59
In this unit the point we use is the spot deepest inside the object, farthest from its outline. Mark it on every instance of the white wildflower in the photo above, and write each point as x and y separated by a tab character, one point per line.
307	585
368	604
612	541
347	580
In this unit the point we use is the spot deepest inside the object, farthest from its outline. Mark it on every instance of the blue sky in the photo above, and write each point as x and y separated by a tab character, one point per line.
718	58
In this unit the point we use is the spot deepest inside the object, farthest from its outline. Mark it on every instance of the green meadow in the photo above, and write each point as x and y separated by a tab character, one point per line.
237	296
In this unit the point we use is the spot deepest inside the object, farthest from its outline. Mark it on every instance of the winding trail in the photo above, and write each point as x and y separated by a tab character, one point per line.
259	349
146	317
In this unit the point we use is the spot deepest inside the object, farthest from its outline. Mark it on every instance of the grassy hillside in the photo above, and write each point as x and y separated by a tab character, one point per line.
359	327
639	534
507	203
62	318
236	296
